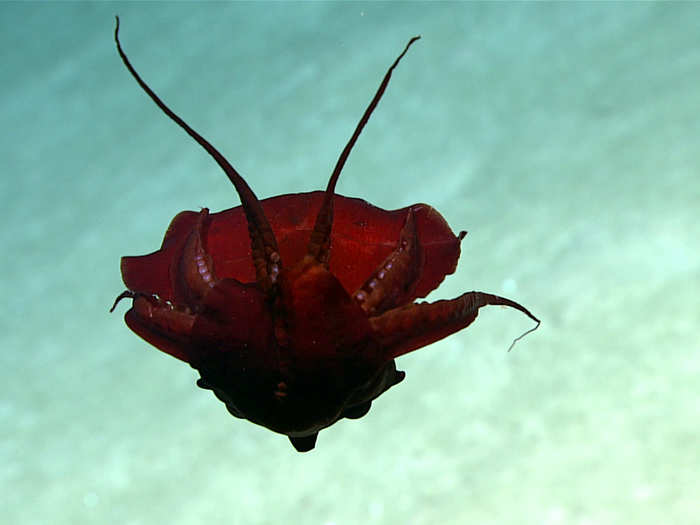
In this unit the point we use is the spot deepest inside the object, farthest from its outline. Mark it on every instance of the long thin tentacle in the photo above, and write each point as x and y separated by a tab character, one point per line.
320	237
264	245
413	326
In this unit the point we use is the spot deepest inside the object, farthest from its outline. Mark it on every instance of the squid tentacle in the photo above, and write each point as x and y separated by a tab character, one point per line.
265	252
407	328
395	279
319	245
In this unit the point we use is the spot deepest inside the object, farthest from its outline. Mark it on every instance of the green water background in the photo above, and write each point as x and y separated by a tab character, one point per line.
564	137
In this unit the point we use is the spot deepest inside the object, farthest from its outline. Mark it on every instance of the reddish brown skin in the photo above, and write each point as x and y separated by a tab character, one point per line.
294	308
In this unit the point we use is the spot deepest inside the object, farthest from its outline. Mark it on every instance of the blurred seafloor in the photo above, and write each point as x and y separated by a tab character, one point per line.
563	137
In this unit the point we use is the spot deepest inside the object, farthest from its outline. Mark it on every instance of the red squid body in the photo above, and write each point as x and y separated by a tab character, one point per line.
294	308
311	356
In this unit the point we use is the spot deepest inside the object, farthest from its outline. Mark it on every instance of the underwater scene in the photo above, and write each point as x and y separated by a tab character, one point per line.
564	138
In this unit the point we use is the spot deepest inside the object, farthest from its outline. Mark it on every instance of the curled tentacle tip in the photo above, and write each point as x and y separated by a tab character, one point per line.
525	333
124	295
411	41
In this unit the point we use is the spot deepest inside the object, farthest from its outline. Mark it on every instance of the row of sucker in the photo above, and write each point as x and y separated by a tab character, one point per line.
370	286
